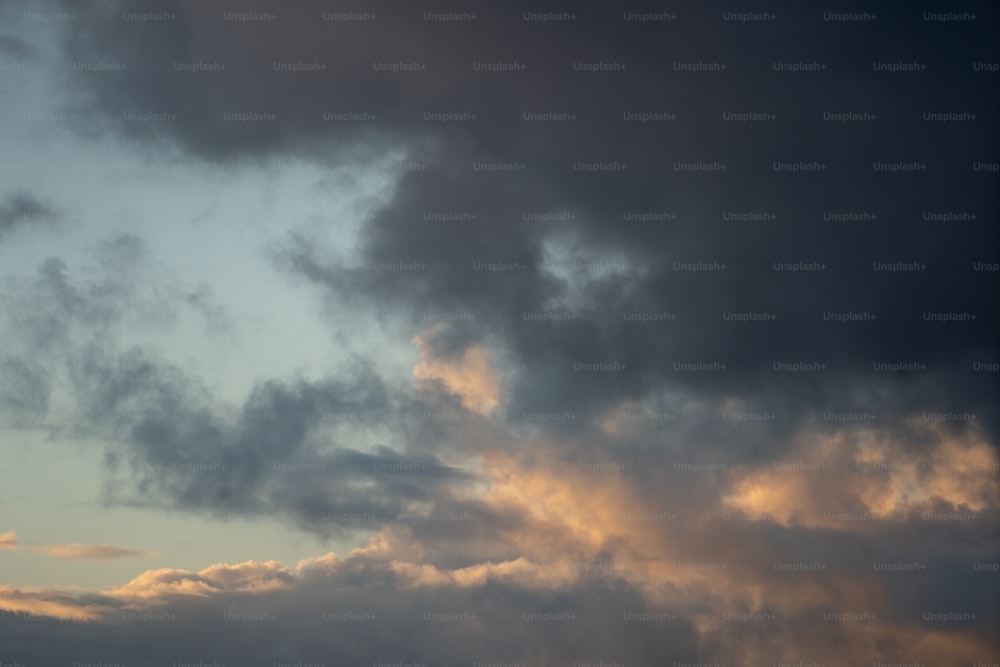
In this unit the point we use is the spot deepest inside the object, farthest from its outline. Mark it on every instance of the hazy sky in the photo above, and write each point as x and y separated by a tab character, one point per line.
497	333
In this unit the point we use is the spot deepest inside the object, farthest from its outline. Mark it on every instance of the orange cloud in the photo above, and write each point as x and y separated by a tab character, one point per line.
75	551
90	552
49	604
247	577
848	481
470	377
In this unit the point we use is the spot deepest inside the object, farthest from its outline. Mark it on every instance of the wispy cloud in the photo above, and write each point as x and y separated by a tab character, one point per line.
74	551
91	552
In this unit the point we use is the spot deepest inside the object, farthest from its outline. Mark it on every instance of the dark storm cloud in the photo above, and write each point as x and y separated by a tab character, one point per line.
648	252
648	281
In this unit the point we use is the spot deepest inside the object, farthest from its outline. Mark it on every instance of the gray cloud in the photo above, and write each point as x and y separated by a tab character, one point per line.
16	47
23	209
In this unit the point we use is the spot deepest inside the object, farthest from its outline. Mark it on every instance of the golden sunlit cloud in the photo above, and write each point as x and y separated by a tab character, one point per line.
248	577
846	482
470	378
518	571
8	540
45	604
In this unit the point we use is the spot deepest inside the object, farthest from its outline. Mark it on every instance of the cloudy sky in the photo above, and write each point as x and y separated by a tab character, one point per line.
498	333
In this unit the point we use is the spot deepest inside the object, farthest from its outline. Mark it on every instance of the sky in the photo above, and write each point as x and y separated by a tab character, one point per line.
498	334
